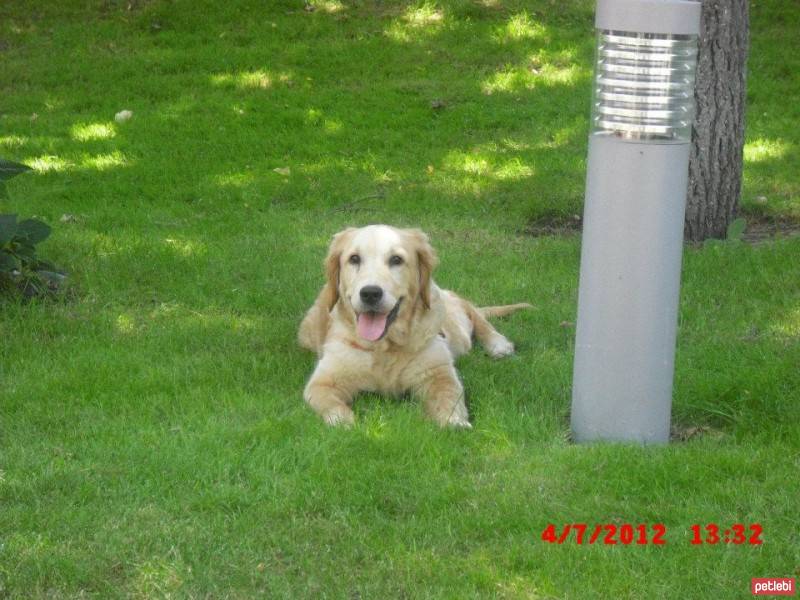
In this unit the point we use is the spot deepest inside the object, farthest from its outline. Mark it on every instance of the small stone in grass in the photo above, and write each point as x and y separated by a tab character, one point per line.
285	171
761	199
123	115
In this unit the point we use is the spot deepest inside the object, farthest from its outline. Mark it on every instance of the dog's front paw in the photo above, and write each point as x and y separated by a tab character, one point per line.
458	422
340	416
499	347
456	418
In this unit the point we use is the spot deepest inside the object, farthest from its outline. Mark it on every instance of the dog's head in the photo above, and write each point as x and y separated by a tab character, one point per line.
379	272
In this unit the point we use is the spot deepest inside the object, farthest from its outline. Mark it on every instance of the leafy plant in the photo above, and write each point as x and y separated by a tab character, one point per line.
9	169
736	229
20	268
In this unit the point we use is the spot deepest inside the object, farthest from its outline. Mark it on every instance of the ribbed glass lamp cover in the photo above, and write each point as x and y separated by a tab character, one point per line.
644	86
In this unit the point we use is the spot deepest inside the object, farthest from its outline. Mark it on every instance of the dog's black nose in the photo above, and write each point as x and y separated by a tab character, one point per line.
371	294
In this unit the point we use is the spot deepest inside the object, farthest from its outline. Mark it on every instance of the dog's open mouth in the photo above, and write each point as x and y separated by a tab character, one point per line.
373	326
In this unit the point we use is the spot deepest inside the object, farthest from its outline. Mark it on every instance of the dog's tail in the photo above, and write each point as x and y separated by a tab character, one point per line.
502	311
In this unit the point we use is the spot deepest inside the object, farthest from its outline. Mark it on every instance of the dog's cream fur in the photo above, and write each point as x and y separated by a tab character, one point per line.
417	351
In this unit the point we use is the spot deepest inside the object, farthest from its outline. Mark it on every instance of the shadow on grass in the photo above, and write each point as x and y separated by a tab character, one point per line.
344	116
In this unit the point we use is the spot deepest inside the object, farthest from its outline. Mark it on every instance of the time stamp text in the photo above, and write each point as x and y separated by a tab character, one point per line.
611	534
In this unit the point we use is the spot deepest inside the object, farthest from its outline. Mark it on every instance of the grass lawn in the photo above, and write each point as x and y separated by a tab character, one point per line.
153	439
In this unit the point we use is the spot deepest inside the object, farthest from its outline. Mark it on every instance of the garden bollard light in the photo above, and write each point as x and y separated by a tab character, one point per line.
636	185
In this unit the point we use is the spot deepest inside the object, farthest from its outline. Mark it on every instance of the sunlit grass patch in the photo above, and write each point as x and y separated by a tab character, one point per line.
48	163
519	78
250	80
566	135
520	26
467	163
416	22
185	248
84	132
513	170
515	144
160	577
509	79
474	171
760	150
332	126
13	141
235	180
104	245
102	162
98	162
328	6
125	323
178	317
789	326
424	15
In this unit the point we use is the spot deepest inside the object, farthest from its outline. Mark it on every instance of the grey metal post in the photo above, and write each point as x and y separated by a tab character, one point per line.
635	201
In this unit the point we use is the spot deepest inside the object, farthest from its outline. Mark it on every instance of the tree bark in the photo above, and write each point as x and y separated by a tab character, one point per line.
715	164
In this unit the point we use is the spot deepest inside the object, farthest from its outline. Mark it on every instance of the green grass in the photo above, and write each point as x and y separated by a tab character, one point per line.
153	440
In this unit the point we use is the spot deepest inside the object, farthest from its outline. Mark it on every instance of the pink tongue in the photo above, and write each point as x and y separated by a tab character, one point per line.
371	325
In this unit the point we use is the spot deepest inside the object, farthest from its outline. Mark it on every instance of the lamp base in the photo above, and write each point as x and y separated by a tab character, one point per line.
629	287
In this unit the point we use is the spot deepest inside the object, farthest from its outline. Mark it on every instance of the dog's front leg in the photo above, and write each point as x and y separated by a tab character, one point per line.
443	397
330	396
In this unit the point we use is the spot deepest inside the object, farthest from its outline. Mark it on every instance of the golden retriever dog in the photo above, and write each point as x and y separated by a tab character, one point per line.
381	324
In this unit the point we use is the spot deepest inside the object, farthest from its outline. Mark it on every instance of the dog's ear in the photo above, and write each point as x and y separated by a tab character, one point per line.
330	293
426	263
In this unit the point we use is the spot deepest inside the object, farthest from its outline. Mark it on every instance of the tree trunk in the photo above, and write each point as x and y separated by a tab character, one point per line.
715	165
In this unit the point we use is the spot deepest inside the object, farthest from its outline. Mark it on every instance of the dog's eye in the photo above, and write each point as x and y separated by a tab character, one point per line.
395	261
354	259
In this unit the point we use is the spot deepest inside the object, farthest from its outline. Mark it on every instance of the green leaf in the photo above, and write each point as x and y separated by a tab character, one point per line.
8	262
35	231
26	252
8	228
9	169
736	229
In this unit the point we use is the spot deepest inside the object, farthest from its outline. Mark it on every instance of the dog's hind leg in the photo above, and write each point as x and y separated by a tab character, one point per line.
496	344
